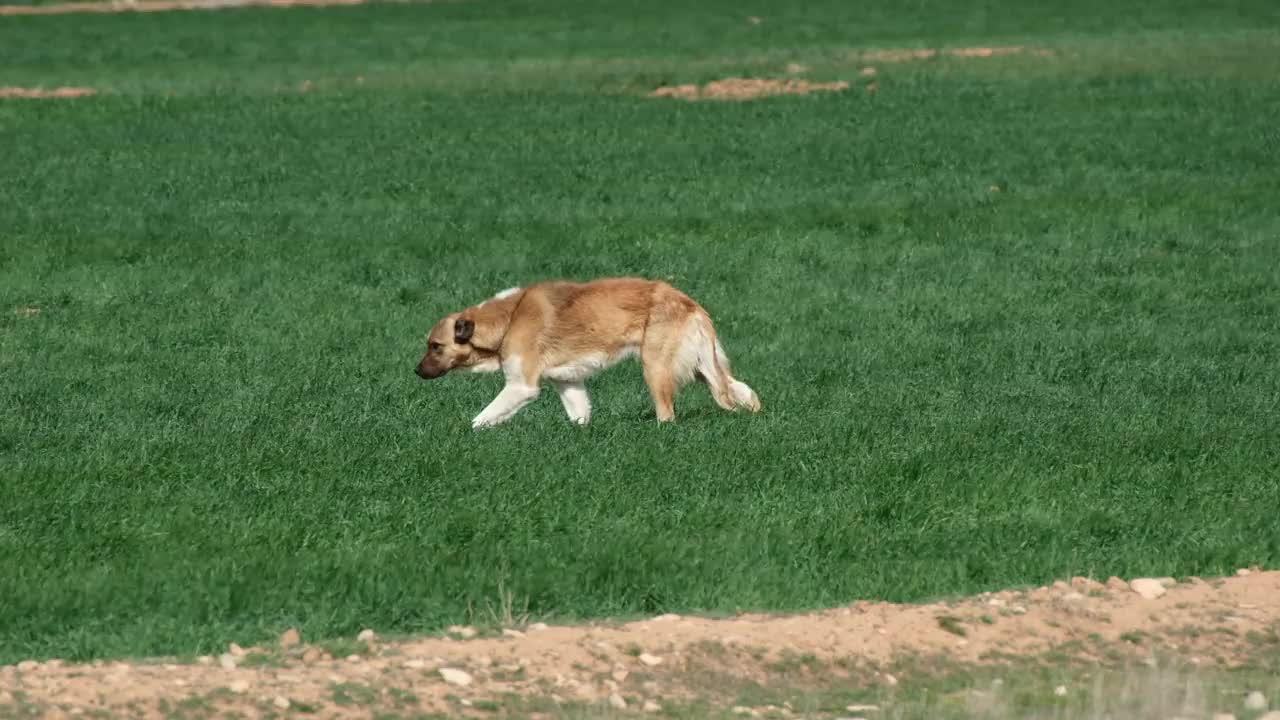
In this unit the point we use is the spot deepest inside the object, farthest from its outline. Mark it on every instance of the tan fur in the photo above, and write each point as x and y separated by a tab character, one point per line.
565	332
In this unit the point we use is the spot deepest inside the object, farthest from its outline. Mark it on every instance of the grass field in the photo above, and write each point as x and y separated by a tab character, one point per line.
211	430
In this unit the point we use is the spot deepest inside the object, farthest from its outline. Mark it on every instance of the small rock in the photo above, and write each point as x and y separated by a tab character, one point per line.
512	633
890	680
1115	584
281	702
464	631
414	664
235	649
1255	701
1060	691
238	687
862	708
1167	581
650	660
537	627
290	638
1244	572
28	666
312	655
868	72
1018	609
454	676
620	674
617	702
227	661
1073	596
1148	588
367	636
204	660
651	706
995	602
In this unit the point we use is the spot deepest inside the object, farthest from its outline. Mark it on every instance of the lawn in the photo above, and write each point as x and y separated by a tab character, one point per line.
1010	318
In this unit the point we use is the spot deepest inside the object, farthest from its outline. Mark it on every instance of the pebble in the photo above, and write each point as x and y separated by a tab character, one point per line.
537	627
511	633
204	660
281	702
1255	701
290	638
1060	691
239	687
1148	588
1115	583
862	708
617	702
464	631
651	706
367	636
890	680
414	664
1073	596
620	674
312	655
227	661
650	660
454	676
28	666
1244	572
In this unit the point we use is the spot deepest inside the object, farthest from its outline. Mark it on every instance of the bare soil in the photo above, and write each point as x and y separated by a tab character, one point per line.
42	94
747	89
668	660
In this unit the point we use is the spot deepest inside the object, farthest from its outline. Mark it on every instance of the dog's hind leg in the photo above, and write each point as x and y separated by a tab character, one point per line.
577	404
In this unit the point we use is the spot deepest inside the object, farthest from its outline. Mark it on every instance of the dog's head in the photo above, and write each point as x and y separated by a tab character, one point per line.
449	347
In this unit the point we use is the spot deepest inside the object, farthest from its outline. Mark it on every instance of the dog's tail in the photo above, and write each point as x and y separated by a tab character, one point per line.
706	358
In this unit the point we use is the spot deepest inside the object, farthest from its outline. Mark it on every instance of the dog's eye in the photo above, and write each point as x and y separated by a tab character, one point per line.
434	347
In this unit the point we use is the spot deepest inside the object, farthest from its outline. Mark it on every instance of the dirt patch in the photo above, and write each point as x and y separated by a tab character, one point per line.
40	93
666	660
747	89
162	6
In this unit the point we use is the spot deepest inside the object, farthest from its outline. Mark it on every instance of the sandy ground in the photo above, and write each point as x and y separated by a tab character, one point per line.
639	666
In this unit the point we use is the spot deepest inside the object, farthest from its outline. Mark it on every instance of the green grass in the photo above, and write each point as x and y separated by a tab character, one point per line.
211	430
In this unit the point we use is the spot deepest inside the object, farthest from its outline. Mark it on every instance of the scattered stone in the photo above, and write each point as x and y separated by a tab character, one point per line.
238	687
868	72
367	636
617	702
995	602
1244	572
537	627
454	676
890	680
1255	701
290	638
1148	588
28	666
281	702
466	632
1060	691
1116	584
227	661
1073	596
1018	609
512	633
204	660
620	674
862	708
650	660
235	649
651	706
414	664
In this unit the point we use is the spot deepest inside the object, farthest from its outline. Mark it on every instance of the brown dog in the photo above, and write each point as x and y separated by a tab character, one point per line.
565	332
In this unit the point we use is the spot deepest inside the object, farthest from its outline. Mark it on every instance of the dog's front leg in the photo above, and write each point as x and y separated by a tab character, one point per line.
517	393
577	404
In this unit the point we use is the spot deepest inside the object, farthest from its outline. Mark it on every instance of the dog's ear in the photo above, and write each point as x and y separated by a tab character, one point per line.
462	330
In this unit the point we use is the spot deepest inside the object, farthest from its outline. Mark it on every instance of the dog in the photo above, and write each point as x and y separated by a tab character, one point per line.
565	332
